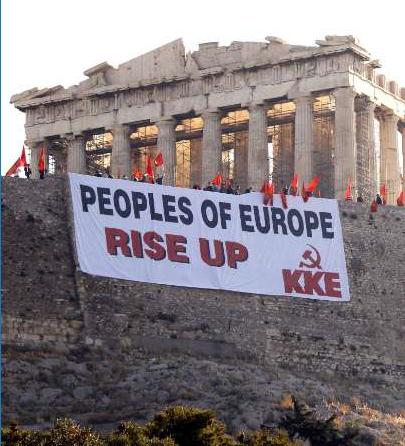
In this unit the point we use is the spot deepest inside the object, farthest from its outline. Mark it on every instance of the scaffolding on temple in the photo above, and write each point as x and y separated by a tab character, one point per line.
143	141
280	131
234	128
98	153
188	151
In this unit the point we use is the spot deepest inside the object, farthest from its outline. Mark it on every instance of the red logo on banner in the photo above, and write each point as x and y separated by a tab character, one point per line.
313	283
309	261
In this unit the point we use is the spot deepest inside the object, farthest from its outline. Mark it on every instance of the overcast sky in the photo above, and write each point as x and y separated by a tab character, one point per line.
51	42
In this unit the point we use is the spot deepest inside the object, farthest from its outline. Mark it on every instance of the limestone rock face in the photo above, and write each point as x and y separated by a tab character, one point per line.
101	350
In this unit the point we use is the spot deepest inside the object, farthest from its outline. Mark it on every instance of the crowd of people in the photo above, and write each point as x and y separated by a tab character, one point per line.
217	184
229	187
137	178
224	188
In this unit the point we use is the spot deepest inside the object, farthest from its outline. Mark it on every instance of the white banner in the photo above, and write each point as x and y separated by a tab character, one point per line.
175	236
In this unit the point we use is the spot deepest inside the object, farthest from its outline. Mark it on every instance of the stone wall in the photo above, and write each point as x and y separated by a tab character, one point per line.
103	350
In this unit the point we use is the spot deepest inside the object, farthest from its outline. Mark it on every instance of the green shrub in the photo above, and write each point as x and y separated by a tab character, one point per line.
66	432
19	437
187	426
267	437
131	434
190	427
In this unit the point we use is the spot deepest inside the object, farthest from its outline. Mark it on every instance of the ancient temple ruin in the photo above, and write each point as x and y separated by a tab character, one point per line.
251	111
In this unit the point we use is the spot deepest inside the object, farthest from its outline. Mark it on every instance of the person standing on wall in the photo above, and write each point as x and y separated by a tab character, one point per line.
41	164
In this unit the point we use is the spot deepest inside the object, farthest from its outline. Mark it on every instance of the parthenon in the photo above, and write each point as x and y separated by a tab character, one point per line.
250	111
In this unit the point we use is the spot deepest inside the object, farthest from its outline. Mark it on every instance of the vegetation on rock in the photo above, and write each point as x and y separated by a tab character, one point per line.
187	426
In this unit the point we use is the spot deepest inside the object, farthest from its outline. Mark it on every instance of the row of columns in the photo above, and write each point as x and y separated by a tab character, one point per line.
257	148
389	156
211	153
347	148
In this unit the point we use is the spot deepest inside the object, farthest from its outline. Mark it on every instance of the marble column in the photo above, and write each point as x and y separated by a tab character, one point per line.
212	146
372	149
403	156
166	144
240	154
60	162
76	154
257	148
304	138
286	157
121	151
345	141
366	154
195	162
389	165
35	147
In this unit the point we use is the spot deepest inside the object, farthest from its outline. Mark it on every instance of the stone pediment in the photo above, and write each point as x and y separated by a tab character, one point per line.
169	63
273	51
210	54
191	66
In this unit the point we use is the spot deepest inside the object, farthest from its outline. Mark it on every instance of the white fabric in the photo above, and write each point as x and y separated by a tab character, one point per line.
268	253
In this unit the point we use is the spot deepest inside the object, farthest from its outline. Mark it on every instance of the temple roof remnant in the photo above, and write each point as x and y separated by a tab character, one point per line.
170	62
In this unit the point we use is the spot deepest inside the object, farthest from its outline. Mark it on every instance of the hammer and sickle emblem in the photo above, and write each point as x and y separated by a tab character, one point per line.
312	262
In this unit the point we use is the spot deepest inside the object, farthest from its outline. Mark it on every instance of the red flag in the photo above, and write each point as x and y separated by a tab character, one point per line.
41	162
294	185
383	189
159	159
401	199
270	193
268	190
284	200
383	193
23	159
13	169
304	193
374	206
217	181
348	193
312	185
149	169
137	174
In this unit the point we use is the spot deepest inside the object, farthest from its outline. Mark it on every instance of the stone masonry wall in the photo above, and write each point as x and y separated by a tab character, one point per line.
103	350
